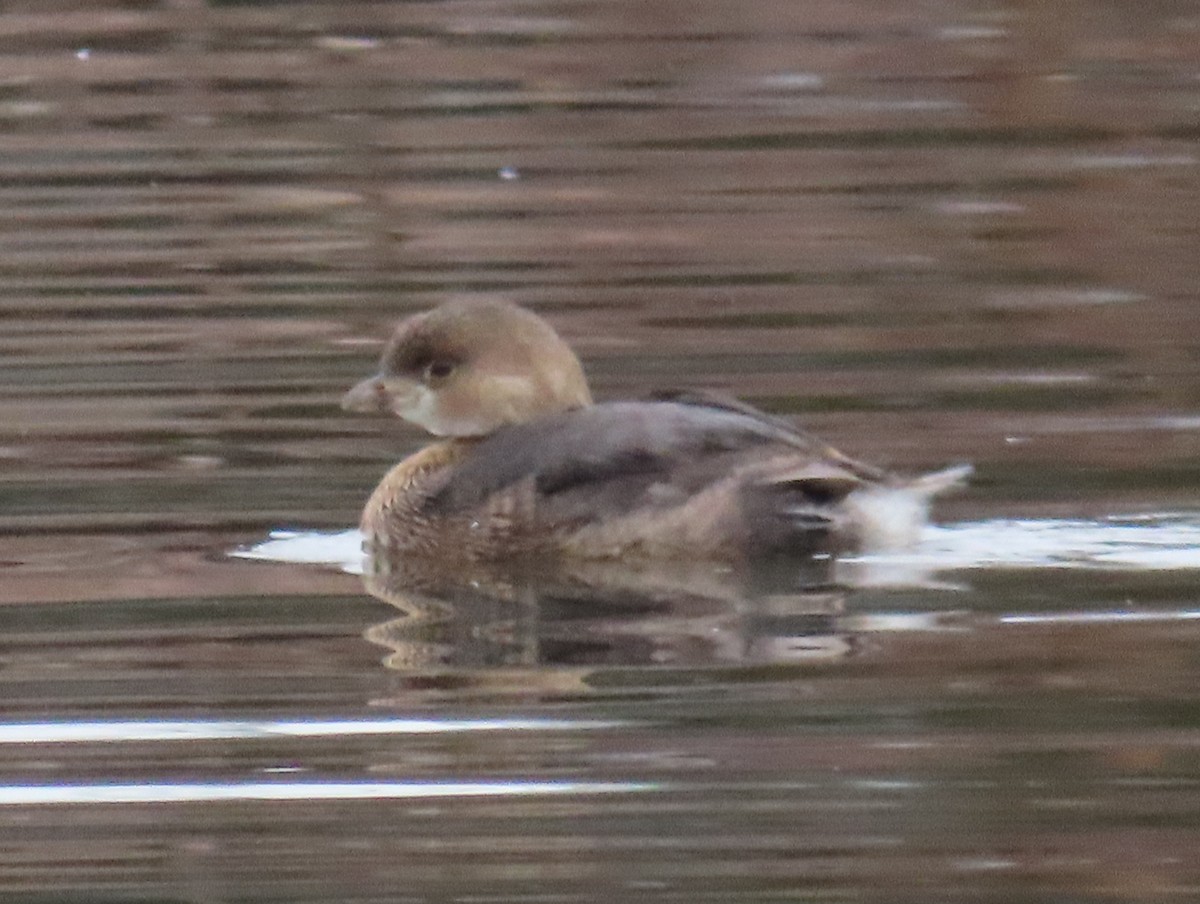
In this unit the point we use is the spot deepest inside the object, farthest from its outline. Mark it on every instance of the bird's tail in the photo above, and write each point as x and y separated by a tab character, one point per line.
890	517
937	482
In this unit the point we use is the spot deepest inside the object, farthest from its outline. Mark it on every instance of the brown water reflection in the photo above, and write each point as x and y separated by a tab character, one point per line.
932	233
599	615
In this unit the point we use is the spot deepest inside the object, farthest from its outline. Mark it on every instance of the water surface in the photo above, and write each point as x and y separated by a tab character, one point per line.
929	233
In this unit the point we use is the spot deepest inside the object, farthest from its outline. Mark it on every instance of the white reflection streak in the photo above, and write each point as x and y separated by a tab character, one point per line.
1154	541
1119	616
192	730
204	792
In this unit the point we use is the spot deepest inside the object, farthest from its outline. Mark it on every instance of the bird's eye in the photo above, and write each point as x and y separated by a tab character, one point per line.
439	370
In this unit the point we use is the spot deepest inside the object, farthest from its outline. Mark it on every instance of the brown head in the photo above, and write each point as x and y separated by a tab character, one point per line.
471	366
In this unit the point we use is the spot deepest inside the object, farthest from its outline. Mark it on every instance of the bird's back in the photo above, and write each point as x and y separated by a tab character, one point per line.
656	478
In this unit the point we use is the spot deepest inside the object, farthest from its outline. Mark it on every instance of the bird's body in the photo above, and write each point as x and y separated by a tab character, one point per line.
532	469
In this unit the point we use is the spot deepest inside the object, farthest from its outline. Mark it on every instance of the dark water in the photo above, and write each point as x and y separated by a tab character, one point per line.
931	232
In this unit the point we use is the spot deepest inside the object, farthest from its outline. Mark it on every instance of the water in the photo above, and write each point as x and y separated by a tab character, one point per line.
930	233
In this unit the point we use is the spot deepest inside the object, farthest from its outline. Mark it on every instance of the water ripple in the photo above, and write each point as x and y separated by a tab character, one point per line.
201	730
1127	542
204	792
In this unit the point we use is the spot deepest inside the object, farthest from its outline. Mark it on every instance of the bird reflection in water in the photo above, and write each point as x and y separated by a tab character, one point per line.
570	630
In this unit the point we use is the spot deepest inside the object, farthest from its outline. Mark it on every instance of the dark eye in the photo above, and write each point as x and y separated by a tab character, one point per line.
439	370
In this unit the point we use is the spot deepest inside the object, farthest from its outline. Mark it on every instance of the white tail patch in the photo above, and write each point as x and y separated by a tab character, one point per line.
890	518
